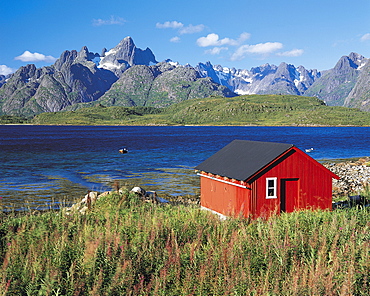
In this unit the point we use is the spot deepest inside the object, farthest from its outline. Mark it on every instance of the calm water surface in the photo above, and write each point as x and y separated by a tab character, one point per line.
42	165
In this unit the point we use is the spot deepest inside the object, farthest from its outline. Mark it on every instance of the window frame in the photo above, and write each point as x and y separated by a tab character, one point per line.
274	187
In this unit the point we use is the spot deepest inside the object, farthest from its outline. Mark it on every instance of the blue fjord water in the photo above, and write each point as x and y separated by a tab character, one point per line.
40	165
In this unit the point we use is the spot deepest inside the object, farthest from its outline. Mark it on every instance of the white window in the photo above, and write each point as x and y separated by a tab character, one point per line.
271	187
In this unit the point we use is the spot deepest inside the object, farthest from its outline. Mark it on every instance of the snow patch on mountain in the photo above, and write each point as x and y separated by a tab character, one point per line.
265	79
362	64
243	92
109	66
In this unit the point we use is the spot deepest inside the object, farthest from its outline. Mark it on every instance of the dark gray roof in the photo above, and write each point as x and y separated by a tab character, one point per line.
241	159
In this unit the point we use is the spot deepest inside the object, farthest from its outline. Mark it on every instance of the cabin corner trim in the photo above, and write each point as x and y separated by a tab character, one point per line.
221	216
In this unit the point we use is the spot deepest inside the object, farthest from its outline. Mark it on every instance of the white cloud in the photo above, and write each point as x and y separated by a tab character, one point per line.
113	20
260	48
243	36
365	37
34	57
210	40
216	50
5	70
264	48
214	40
170	25
175	39
182	29
192	29
291	53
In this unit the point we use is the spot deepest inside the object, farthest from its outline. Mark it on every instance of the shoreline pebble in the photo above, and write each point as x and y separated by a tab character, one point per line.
354	176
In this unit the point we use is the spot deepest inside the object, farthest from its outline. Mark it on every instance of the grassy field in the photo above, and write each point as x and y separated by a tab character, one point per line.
9	119
241	110
123	246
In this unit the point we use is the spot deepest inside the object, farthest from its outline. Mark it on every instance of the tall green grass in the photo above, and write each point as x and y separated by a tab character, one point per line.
123	246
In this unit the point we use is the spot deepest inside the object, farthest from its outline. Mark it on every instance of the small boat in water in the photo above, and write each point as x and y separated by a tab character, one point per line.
123	150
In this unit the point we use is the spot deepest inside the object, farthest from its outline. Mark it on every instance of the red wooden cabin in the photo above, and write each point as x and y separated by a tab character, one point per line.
256	179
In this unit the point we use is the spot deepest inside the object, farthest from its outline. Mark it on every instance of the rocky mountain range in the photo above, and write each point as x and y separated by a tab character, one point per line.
74	78
128	76
161	85
124	76
335	85
265	79
347	84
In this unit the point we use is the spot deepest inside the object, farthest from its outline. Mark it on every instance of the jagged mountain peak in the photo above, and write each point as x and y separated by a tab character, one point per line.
26	72
286	69
84	55
67	57
125	55
347	63
127	41
357	58
359	97
335	84
264	69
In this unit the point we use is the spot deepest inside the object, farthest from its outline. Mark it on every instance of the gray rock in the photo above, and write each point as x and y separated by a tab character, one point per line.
125	55
265	79
354	176
359	97
336	84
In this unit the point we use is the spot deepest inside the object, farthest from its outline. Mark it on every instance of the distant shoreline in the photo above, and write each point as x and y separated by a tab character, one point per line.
190	125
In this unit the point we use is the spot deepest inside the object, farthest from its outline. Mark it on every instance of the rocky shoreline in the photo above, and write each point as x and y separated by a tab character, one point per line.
354	179
354	176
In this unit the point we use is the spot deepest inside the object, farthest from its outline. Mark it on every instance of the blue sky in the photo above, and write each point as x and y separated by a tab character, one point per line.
234	33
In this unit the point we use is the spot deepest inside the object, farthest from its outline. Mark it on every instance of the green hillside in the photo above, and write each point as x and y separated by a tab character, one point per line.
241	110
